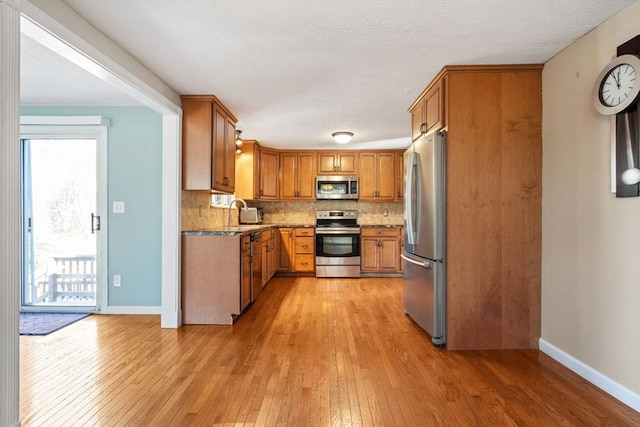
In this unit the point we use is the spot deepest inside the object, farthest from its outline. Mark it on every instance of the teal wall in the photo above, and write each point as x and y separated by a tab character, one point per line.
134	176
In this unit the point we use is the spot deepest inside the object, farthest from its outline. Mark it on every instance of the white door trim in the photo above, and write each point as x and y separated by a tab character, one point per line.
10	216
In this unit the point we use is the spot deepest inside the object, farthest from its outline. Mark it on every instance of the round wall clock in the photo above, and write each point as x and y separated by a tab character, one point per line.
617	85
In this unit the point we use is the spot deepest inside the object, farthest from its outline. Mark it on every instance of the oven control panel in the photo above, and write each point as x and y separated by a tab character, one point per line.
347	214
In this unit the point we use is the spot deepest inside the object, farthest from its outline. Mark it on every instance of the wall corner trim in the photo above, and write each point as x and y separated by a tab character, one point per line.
595	377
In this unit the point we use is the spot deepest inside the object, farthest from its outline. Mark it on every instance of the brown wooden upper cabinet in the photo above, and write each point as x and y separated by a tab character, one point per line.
208	144
256	172
297	175
427	113
337	163
377	177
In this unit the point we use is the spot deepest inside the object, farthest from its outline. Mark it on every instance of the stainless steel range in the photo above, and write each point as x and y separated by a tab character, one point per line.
337	244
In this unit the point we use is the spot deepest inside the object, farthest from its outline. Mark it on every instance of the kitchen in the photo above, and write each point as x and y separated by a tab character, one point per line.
505	186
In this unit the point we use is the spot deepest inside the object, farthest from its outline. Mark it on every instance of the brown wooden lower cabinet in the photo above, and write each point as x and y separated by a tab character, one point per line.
305	250
285	249
296	250
215	289
380	250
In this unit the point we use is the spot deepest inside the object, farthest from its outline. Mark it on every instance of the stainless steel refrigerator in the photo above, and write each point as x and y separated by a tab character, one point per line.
424	234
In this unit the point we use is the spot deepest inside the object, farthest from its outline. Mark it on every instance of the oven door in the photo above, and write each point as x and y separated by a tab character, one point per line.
337	243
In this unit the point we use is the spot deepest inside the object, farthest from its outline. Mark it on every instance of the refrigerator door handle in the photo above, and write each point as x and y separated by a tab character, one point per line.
425	264
408	197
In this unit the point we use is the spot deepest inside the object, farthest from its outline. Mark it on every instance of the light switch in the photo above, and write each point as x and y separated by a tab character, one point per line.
118	207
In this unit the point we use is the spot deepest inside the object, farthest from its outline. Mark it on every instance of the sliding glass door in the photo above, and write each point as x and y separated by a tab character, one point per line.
60	223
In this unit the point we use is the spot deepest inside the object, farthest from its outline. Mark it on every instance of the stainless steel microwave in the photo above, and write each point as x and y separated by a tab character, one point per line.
337	187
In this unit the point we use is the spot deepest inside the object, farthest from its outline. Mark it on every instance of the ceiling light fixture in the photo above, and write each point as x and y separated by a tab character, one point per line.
238	142
342	137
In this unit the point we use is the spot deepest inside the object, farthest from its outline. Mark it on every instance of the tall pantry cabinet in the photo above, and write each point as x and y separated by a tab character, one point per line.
493	119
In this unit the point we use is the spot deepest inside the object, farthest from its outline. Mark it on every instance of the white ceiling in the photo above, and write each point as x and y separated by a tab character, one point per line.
294	71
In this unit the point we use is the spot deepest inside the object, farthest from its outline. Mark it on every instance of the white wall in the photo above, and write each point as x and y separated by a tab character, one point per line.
590	238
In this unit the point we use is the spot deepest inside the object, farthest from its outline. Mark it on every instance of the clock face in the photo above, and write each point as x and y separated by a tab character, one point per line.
618	85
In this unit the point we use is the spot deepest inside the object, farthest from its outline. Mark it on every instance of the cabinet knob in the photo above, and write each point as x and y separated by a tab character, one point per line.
423	128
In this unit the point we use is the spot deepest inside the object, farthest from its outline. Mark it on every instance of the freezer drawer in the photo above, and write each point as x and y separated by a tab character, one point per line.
424	295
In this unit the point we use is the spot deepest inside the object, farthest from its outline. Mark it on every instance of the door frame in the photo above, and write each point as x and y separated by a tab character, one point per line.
93	127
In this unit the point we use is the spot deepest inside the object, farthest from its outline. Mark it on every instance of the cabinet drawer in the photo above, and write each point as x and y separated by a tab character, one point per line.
304	245
381	232
302	232
267	234
304	263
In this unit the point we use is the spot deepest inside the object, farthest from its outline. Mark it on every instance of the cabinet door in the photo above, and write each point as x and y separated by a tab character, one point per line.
389	255
428	114
417	119
275	251
326	163
285	249
399	160
433	104
368	177
377	177
245	279
337	163
268	174
385	176
196	144
230	156
347	163
306	176
218	181
288	169
369	254
265	262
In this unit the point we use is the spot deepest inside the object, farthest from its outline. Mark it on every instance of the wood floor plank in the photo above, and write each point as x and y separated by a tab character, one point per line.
308	352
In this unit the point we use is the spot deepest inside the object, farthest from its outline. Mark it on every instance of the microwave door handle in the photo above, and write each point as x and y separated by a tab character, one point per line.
409	199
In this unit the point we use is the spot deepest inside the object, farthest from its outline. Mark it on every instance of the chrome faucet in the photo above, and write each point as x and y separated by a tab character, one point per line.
231	203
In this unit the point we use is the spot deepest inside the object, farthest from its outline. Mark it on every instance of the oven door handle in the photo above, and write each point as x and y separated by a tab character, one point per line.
338	231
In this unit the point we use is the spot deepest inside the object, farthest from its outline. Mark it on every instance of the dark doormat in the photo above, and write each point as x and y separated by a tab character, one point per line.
45	323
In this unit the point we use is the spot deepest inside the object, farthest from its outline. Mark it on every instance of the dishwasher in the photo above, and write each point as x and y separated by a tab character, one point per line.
256	265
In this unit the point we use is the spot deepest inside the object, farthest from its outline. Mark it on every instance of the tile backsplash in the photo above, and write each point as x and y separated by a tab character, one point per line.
197	212
304	212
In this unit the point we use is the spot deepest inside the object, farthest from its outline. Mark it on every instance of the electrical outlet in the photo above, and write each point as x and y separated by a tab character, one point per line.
117	280
118	207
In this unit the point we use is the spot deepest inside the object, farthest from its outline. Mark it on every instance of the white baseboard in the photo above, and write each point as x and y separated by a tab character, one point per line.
126	309
600	380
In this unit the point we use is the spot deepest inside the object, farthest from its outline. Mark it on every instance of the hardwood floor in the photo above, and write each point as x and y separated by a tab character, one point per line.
308	353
